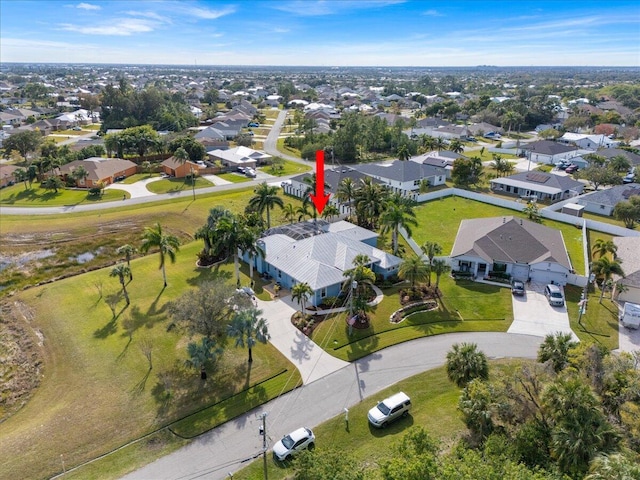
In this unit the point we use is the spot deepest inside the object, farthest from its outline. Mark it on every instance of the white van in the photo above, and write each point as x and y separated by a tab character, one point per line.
630	315
390	409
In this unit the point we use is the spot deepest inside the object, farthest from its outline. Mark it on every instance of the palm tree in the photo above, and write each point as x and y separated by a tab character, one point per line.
606	268
248	329
369	198
300	292
167	245
439	267
398	213
303	211
121	271
80	174
414	270
602	247
465	362
289	213
252	247
201	354
403	153
456	146
128	251
232	234
555	349
181	155
364	278
440	144
330	211
265	198
345	192
431	250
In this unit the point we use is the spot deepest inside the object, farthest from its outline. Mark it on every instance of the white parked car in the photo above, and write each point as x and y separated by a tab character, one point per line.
390	409
293	443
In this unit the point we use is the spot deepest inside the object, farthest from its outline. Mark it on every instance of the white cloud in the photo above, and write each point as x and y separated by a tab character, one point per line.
208	14
431	13
307	8
125	27
148	14
88	6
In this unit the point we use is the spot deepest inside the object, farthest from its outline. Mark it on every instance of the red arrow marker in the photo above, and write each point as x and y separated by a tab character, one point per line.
319	199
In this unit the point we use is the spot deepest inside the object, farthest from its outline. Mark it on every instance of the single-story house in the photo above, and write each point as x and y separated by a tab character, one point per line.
588	142
628	248
604	201
542	185
212	137
404	176
546	151
318	253
511	247
239	157
609	153
100	170
175	168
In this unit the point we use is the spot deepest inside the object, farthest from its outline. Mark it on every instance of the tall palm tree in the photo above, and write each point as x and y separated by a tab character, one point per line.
440	144
167	245
397	213
248	329
606	268
431	250
403	153
439	267
465	362
369	199
181	155
80	174
121	271
414	270
345	193
232	233
602	247
128	251
252	247
364	278
266	198
456	146
300	292
330	211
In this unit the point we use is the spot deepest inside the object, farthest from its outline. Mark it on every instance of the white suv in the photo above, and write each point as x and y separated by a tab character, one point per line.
293	443
390	409
554	295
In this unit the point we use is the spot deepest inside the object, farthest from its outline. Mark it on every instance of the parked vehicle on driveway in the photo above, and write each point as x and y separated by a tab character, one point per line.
293	443
517	287
554	295
572	168
630	315
250	172
389	410
254	124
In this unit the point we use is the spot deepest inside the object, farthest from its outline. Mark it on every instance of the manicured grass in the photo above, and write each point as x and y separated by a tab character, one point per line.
603	218
434	399
439	220
486	155
290	151
93	126
36	196
465	306
599	323
234	177
288	168
169	185
69	132
99	391
136	177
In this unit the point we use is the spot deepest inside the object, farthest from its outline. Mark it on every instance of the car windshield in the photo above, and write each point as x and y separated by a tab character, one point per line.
287	441
383	408
556	294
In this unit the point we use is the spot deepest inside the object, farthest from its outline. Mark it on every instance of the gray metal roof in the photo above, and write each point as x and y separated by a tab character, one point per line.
610	196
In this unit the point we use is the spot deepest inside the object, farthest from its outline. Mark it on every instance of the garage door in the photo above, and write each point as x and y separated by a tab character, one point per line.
520	272
543	276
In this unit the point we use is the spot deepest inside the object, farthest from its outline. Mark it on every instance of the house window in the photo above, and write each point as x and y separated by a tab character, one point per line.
323	293
416	183
279	274
508	189
601	207
500	267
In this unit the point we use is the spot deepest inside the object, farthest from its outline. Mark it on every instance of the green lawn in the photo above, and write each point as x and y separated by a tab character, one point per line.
288	168
69	132
464	306
289	151
36	196
100	392
439	220
603	218
487	156
170	185
434	399
234	177
136	177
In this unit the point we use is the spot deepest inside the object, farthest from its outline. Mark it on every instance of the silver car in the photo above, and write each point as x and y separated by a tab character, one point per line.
554	295
293	443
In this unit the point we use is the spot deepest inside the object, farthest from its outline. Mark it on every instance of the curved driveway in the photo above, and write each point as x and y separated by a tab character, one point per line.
225	449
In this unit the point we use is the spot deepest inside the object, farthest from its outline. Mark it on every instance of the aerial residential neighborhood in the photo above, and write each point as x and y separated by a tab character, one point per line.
231	250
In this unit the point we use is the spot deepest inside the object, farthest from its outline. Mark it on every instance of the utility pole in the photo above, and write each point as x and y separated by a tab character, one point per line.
263	432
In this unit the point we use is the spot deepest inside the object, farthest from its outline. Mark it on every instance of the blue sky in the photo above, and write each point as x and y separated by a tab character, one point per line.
323	32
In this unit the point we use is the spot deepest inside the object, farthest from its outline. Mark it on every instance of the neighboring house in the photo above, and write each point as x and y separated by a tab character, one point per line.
439	158
604	201
174	168
212	137
521	249
628	248
479	129
79	117
542	185
318	253
100	170
609	153
239	157
588	142
404	176
7	175
545	151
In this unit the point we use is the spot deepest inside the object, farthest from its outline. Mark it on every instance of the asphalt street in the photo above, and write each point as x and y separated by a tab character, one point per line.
224	450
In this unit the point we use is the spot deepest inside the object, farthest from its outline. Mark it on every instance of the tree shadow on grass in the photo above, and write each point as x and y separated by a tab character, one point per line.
111	327
209	274
140	386
153	308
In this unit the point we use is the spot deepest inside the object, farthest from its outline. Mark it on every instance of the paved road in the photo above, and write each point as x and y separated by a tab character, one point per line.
223	449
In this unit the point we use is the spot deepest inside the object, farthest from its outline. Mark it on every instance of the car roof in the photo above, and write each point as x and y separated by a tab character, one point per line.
299	434
553	288
397	398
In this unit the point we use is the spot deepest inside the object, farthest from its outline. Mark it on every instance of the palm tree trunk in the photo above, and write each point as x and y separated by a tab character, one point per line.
395	241
126	294
250	356
604	284
251	259
236	265
268	218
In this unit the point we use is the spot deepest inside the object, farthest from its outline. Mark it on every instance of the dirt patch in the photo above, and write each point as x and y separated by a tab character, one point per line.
20	357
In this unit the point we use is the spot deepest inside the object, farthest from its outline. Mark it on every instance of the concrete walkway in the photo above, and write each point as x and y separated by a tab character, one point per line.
137	189
312	362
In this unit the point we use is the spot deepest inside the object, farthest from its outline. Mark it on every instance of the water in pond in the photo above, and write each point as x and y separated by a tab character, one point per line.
8	261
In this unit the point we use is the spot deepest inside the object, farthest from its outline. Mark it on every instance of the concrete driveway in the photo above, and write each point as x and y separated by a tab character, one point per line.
532	314
137	189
